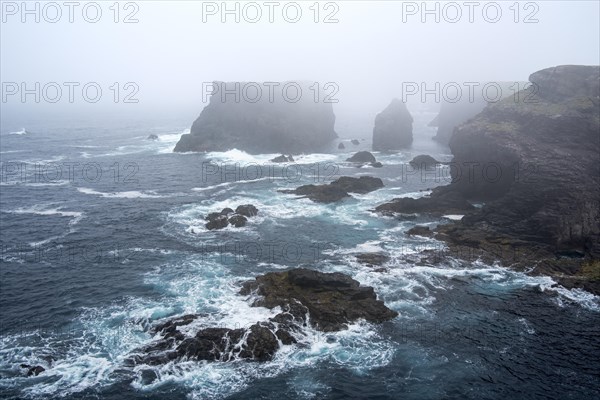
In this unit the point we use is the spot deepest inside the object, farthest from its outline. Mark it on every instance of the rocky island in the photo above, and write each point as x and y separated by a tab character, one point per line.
393	127
279	120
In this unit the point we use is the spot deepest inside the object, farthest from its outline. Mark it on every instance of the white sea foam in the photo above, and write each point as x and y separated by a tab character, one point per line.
453	217
132	194
23	131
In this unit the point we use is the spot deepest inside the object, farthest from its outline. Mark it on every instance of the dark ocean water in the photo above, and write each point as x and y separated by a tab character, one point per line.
102	235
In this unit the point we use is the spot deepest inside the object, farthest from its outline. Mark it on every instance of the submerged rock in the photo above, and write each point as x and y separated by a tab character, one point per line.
393	127
338	189
328	301
355	142
152	137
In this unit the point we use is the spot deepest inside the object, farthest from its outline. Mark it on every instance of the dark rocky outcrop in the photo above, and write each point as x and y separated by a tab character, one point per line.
328	301
534	160
265	124
424	161
216	221
362	157
441	201
376	164
393	127
237	218
282	158
152	136
355	142
420	230
247	210
341	146
33	370
332	299
338	189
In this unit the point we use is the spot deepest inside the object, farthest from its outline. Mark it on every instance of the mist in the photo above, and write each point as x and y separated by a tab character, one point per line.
167	51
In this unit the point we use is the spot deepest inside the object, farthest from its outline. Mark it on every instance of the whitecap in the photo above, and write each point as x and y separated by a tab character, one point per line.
132	194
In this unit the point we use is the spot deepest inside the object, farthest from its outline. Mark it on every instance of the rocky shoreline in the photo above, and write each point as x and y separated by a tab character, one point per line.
538	179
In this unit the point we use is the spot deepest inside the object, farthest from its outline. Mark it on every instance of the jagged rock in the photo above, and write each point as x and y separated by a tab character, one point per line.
393	127
282	158
423	161
362	157
152	137
216	222
420	230
33	370
338	189
341	146
247	210
355	142
261	124
332	299
171	325
441	201
238	220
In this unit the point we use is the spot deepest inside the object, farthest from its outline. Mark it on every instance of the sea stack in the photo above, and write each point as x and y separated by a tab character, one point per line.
393	127
282	117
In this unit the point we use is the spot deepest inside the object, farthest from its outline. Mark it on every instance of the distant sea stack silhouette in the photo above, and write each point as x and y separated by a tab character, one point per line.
393	127
271	117
467	104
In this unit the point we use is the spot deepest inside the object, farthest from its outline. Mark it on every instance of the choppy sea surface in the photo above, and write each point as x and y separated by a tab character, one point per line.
103	235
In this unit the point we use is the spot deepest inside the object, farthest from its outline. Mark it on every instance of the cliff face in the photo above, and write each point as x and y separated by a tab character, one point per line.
393	127
273	123
453	114
539	157
534	160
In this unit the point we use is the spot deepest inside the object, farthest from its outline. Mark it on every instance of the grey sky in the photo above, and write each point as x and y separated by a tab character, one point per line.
170	52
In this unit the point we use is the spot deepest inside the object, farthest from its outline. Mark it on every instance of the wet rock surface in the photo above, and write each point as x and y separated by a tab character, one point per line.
338	189
237	218
328	300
